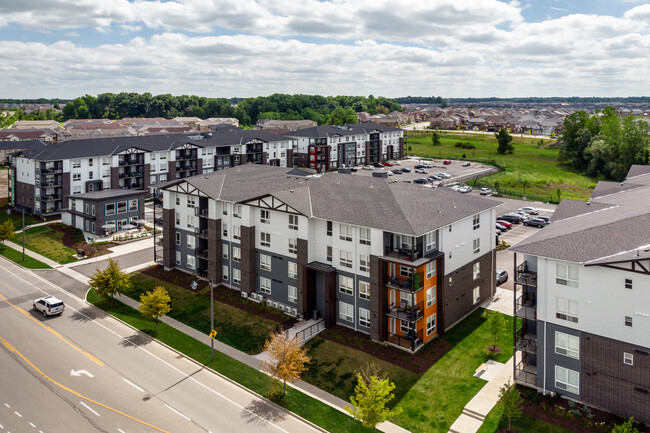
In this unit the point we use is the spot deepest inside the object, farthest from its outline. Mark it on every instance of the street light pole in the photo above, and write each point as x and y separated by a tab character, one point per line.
23	234
211	320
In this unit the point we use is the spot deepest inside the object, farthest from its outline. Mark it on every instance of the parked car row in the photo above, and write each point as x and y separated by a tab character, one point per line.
523	215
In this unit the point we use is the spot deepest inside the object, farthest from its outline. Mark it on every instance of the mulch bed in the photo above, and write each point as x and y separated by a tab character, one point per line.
69	241
221	293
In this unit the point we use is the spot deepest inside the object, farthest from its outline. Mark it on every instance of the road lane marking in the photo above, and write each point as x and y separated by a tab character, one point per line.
78	373
18	414
88	407
120	430
72	391
7	405
177	411
57	334
32	424
133	385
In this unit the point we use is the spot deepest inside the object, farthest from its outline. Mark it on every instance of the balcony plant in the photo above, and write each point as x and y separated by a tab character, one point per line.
416	281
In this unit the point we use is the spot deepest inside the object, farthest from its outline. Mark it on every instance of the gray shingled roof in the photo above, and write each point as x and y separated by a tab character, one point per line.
570	208
638	170
364	201
349	129
605	188
108	193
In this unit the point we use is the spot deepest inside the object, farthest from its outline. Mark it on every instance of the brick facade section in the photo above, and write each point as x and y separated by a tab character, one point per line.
65	183
215	270
115	178
248	283
147	175
378	299
172	170
301	281
24	195
169	249
610	384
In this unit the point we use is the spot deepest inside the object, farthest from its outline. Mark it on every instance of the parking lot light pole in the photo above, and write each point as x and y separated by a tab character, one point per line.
23	234
211	320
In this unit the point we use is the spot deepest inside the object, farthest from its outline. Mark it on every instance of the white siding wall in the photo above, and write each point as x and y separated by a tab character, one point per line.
459	242
25	170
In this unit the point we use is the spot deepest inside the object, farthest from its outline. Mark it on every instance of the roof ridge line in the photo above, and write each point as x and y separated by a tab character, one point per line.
223	181
311	209
618	254
609	206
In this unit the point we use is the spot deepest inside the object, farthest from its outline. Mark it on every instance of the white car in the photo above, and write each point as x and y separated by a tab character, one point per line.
368	167
397	163
486	191
422	170
49	305
528	210
427	165
465	189
443	175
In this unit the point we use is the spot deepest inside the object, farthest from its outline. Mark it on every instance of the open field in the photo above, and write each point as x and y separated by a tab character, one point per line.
46	242
532	162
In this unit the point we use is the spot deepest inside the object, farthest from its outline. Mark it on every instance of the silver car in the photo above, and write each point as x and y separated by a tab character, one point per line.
49	306
502	276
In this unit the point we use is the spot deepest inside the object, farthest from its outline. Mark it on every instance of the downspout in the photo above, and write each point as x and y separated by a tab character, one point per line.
545	321
232	230
355	289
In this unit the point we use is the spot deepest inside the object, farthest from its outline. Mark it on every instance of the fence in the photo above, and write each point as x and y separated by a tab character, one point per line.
502	192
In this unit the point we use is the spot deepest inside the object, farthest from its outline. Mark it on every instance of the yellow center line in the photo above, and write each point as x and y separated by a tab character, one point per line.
12	349
57	334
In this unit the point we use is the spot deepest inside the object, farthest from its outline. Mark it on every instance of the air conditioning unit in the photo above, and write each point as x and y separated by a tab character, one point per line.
269	302
285	308
244	294
274	304
294	311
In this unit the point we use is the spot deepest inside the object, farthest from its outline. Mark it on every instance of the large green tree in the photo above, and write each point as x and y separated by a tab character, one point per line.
110	281
510	402
496	323
505	142
371	395
155	304
6	231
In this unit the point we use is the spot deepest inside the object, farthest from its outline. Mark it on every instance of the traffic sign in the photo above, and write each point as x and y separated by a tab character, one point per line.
213	334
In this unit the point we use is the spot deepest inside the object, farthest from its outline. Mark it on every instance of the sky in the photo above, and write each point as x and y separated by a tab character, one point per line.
392	48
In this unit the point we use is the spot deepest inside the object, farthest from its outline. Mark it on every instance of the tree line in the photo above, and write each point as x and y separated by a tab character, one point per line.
603	144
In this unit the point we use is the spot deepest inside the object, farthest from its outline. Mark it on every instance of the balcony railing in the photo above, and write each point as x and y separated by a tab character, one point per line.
407	340
51	197
201	212
404	284
51	183
407	254
201	254
185	156
201	233
525	341
524	276
408	313
525	306
51	170
525	372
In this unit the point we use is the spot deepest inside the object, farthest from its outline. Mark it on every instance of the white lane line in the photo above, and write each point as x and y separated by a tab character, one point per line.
120	430
133	385
32	424
177	412
18	414
201	384
88	407
1	426
7	405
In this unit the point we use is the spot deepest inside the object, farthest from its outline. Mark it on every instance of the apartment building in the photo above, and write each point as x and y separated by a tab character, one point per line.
327	147
583	297
396	261
41	177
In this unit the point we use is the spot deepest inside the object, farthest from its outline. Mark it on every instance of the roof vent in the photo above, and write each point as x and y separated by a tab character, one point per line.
371	187
588	203
622	183
290	190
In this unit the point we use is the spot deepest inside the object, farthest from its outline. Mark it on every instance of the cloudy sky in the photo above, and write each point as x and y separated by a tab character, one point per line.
225	48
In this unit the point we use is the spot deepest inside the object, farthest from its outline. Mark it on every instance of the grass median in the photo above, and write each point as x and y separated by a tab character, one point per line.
308	408
47	242
17	257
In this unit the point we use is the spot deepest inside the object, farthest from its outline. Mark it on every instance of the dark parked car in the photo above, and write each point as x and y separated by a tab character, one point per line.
434	177
420	180
510	218
377	165
546	219
397	171
535	222
501	227
520	217
419	166
406	170
502	276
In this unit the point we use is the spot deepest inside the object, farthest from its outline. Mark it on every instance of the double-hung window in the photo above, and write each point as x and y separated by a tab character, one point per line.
345	232
476	222
567	275
346	311
345	259
431	269
346	285
364	263
567	380
265	262
364	290
292	270
567	345
265	216
293	246
364	236
265	239
293	222
566	309
292	294
265	285
476	245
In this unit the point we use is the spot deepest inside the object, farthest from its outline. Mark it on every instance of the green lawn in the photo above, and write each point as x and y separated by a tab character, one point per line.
531	162
17	218
47	242
525	424
237	328
17	256
313	410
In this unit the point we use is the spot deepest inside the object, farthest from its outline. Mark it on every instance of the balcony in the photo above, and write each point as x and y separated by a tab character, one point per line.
406	340
525	341
525	306
408	313
51	197
201	234
405	284
524	276
185	156
131	174
51	183
203	213
526	373
201	254
51	170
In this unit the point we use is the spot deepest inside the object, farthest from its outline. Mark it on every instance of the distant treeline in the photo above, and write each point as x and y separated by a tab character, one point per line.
421	100
555	100
34	101
322	109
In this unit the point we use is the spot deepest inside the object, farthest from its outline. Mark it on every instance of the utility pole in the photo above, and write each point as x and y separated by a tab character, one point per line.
211	320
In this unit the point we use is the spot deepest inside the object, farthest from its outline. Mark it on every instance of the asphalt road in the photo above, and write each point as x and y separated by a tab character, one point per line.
84	371
125	261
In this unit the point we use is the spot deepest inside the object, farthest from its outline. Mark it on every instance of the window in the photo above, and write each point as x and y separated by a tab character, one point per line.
293	246
265	285
628	358
405	327
476	294
292	294
364	236
92	210
405	271
364	290
293	222
567	275
133	205
76	163
628	283
178	218
224	251
628	321
345	259
364	317
225	272
329	253
90	175
178	200
236	254
224	209
265	239
405	298
346	285
178	257
430	241
109	209
162	155
190	262
567	380
431	270
476	270
224	230
476	246
121	207
431	324
265	262
236	275
566	309
476	222
346	312
178	238
236	232
265	216
191	201
364	264
431	296
345	232
190	221
329	228
236	210
76	176
189	240
87	209
292	270
567	345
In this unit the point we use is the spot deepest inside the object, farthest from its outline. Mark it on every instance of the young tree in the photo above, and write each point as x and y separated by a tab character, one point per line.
505	142
435	139
495	323
287	358
110	281
626	427
372	393
510	402
155	304
6	231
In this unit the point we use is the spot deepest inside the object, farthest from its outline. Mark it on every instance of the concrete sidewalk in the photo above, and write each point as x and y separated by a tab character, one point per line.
478	407
117	251
253	362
